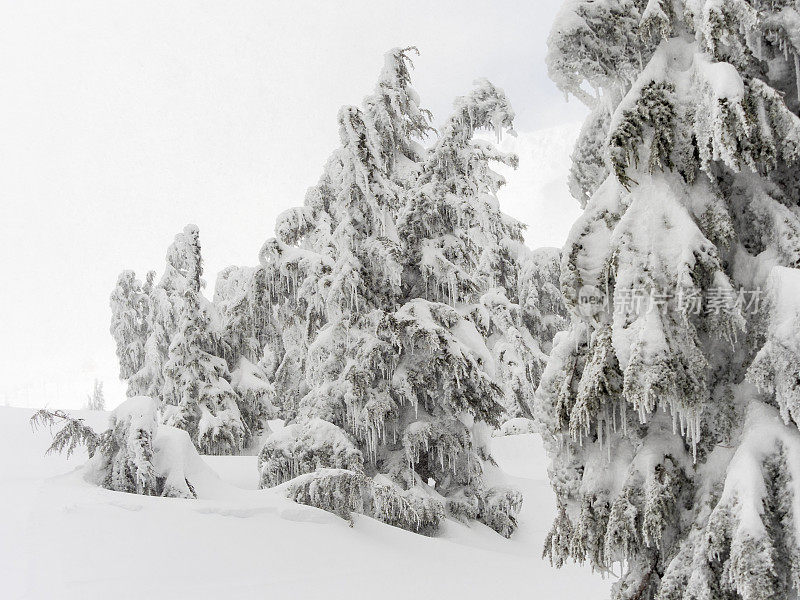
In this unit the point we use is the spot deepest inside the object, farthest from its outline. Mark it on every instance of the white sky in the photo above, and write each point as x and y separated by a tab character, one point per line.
120	122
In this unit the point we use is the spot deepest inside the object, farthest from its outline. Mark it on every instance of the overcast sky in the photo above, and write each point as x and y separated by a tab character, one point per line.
120	122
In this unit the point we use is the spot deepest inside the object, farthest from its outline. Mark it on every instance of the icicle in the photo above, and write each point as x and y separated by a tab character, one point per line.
600	430
797	74
624	417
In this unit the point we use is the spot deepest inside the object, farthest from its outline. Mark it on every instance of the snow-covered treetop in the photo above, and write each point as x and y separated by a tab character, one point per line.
452	225
184	261
344	235
394	108
456	155
596	43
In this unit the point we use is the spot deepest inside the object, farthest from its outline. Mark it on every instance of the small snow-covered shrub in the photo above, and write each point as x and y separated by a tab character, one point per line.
338	491
299	449
133	455
133	461
173	450
463	507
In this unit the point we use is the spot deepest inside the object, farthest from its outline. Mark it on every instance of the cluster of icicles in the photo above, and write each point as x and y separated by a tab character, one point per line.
613	418
447	448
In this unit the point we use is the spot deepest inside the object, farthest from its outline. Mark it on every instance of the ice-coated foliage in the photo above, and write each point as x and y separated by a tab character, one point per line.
463	249
254	392
542	308
395	292
298	449
589	167
498	508
128	459
176	346
344	492
776	367
665	459
523	331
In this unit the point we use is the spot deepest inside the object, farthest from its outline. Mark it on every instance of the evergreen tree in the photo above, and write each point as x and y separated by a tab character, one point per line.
200	394
398	388
542	308
337	261
160	325
665	459
181	350
129	323
461	249
96	401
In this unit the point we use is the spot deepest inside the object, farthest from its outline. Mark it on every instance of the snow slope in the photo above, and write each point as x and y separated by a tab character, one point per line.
61	537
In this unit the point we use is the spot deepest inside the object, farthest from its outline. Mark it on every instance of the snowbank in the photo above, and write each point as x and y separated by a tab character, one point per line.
62	537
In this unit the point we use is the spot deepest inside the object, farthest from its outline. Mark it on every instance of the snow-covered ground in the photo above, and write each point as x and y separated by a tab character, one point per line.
61	537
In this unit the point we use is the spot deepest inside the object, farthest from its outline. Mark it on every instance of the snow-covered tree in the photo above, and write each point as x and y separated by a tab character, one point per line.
336	263
665	459
182	344
522	334
541	305
96	400
129	323
232	302
396	389
462	249
202	399
160	325
254	397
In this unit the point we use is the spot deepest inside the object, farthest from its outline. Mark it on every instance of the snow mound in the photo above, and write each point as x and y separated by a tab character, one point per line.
63	537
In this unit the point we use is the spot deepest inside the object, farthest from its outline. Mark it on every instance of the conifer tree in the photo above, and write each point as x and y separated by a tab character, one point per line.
462	262
96	400
160	325
666	460
398	384
129	323
181	349
335	261
541	305
200	394
461	249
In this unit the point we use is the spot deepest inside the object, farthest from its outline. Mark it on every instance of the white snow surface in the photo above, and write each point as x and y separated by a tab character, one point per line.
62	537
